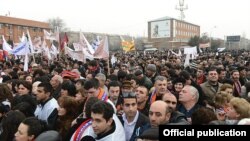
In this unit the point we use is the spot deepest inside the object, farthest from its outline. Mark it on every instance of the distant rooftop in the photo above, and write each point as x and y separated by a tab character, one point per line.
169	18
162	18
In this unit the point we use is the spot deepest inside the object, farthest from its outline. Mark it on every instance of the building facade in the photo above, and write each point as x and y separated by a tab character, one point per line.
13	28
167	33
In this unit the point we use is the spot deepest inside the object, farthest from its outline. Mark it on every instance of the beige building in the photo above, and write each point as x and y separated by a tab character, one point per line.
169	33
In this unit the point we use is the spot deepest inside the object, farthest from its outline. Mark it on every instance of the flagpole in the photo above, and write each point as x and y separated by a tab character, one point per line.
108	56
30	45
59	43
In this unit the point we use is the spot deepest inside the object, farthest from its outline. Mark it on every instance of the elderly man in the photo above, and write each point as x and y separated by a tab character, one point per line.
160	88
56	83
188	99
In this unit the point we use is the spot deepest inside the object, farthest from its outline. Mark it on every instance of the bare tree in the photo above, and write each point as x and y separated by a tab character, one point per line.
57	22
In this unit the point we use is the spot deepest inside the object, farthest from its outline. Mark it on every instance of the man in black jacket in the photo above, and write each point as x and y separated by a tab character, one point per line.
176	116
132	119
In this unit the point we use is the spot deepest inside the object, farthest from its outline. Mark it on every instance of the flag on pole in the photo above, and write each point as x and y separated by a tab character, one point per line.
30	42
103	49
96	43
51	36
127	45
21	49
84	42
6	46
64	42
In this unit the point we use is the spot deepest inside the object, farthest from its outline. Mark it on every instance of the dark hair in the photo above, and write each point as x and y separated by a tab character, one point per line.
5	93
10	123
69	104
26	108
114	84
81	81
93	83
38	72
130	95
91	101
26	85
93	63
103	108
13	75
44	78
203	116
219	70
233	71
35	126
121	75
58	70
46	86
185	75
212	69
70	87
5	78
112	77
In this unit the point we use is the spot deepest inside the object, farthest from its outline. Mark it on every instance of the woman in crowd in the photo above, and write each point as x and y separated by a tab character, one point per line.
68	88
66	114
24	95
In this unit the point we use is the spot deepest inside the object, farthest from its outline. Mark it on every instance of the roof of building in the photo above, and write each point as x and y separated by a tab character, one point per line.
23	22
169	18
161	19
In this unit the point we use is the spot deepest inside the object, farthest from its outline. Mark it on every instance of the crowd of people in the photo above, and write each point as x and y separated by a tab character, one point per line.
69	100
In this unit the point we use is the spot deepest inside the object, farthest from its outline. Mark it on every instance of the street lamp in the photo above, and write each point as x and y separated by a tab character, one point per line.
210	39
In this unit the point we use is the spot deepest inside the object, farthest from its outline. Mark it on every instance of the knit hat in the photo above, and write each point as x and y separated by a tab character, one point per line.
151	67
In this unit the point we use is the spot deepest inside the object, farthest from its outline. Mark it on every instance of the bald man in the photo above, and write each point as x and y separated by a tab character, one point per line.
159	113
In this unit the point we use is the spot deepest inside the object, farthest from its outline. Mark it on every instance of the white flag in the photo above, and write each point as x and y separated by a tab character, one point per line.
96	43
85	43
21	49
6	46
50	36
103	49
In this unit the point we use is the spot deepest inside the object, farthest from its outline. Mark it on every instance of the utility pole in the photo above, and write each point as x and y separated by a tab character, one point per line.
181	7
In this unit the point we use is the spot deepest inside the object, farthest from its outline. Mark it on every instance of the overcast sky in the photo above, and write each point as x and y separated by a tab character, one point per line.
216	17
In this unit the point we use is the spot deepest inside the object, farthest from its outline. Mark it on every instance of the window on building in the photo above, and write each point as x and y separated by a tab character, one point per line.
19	28
1	26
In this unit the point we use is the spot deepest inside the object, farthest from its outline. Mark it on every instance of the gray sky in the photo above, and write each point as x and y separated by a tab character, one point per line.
231	17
